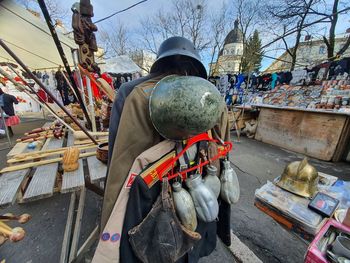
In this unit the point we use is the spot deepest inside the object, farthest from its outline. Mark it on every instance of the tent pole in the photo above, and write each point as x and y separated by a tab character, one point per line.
48	92
91	104
21	87
63	56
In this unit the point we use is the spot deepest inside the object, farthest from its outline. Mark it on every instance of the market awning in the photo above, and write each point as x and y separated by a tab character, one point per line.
29	38
120	64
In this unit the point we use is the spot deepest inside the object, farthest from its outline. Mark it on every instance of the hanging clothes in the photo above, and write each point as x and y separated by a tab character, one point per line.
274	78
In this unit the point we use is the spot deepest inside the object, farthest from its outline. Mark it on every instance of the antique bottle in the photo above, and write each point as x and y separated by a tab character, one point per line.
212	181
204	199
184	207
229	184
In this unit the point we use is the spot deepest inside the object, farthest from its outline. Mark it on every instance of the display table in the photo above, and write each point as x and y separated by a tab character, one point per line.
291	211
44	181
316	133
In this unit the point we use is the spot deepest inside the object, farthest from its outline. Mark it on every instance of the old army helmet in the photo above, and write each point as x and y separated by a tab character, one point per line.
177	47
300	178
184	106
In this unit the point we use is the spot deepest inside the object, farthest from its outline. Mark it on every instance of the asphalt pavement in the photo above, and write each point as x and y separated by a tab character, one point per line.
254	162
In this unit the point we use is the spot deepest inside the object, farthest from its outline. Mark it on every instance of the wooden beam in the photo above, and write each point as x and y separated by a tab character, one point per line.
35	164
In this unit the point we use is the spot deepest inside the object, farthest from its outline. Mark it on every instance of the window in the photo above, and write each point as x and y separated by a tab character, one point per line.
322	50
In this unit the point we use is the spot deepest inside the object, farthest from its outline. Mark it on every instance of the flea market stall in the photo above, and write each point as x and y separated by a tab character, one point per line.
308	115
62	156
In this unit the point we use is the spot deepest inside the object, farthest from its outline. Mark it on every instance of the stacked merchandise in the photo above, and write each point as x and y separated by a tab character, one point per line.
310	89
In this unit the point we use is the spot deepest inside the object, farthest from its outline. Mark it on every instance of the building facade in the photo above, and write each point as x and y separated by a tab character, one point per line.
309	53
230	56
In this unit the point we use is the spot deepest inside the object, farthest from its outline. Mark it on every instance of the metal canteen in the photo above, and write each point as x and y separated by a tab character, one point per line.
184	207
229	184
212	181
204	199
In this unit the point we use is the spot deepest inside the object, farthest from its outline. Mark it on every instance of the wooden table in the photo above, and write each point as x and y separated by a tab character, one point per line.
324	135
44	181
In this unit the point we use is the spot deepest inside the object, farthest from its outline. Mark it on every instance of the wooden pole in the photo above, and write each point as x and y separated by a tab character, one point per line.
40	155
35	164
48	92
20	87
63	56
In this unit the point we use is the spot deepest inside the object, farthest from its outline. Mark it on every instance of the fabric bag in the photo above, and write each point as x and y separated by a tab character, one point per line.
160	237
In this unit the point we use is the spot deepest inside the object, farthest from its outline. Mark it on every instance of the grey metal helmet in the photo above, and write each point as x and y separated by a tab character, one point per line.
178	46
184	106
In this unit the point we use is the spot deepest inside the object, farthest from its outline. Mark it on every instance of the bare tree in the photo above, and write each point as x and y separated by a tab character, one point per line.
248	13
292	13
115	39
56	9
331	13
186	18
220	24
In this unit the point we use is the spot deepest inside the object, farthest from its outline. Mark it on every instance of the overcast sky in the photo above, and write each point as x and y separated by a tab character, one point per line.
130	18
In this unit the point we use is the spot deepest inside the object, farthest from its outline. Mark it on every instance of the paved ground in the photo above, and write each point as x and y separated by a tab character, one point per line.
254	162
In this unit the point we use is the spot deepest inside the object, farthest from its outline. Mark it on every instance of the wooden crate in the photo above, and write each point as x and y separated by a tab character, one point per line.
310	133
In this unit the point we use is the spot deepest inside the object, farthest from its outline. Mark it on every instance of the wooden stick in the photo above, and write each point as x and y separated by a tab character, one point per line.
89	141
35	164
5	226
79	135
39	155
48	92
21	87
110	93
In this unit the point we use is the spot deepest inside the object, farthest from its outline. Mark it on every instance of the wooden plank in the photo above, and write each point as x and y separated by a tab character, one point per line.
309	133
9	186
67	231
73	181
97	169
343	144
44	177
332	112
77	226
87	244
17	149
47	124
70	139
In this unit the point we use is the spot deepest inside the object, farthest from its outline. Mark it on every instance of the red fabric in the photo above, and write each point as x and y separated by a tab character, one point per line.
12	121
95	91
107	78
42	95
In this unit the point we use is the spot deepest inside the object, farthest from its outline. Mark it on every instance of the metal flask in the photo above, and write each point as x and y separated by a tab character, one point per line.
212	181
204	199
184	207
229	184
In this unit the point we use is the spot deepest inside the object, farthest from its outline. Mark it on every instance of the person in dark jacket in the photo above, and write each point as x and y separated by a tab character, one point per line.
6	103
131	133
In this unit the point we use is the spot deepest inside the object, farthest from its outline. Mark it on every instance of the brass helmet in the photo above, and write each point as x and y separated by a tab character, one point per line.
300	178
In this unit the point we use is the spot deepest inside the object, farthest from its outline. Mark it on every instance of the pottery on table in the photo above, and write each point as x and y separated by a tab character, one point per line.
102	152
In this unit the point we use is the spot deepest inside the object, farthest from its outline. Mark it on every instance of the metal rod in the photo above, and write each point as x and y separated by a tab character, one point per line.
4	73
21	87
48	92
63	56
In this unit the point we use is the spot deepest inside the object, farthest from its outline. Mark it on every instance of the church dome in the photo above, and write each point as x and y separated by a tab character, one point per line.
235	35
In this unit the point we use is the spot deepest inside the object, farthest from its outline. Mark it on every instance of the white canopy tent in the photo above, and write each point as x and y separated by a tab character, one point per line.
121	64
29	38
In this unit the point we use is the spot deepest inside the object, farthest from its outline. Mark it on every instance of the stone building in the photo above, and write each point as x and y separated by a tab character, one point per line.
230	56
309	53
